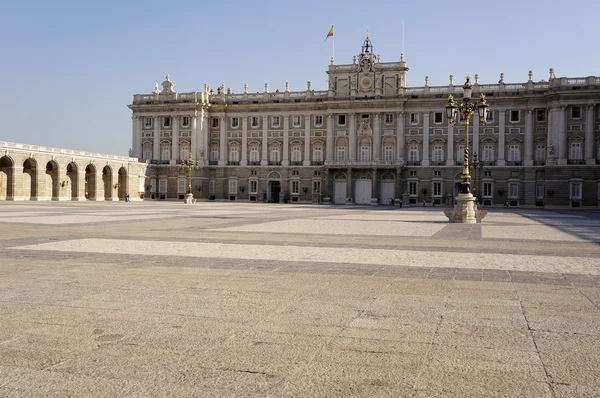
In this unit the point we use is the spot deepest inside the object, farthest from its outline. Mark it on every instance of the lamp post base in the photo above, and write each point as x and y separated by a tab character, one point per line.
465	211
189	198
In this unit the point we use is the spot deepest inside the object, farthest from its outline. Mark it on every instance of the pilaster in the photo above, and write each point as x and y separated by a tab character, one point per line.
222	141
285	160
352	137
175	139
562	136
329	145
529	138
589	135
425	161
475	134
501	137
244	141
306	161
401	141
264	161
377	137
450	149
156	139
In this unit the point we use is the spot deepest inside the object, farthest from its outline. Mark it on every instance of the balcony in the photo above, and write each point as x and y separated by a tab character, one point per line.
575	161
438	163
459	162
233	163
514	163
539	162
274	162
413	163
317	163
295	163
489	162
254	163
213	162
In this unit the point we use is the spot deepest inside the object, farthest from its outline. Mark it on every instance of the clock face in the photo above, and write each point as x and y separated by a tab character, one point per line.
366	82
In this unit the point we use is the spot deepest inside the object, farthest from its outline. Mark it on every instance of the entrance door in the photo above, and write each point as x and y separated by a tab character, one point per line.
387	192
275	190
362	192
339	192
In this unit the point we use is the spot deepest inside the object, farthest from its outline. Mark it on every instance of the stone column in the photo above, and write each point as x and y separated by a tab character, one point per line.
156	141
81	184
306	161
222	141
450	149
203	137
529	138
501	137
352	137
562	136
589	135
244	141
374	189
194	139
401	140
285	160
329	146
349	185
175	140
264	161
425	161
475	149
377	137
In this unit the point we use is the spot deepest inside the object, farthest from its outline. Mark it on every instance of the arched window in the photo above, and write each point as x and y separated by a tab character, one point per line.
318	153
165	152
184	151
365	153
488	153
296	153
275	154
341	153
437	153
214	153
388	153
460	152
575	152
514	153
234	153
254	154
540	152
413	153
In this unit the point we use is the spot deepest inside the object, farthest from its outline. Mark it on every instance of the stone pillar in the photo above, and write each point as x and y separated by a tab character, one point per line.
529	138
264	161
175	140
222	142
349	186
156	141
352	137
475	149
562	136
401	140
589	135
306	161
194	139
81	184
374	189
17	183
425	161
501	137
285	160
136	144
244	141
204	135
329	146
450	149
377	137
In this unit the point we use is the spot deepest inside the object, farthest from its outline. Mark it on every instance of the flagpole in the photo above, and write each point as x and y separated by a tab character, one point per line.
333	47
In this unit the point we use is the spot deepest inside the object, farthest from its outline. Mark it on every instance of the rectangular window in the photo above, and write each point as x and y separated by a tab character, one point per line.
318	120
181	186
254	121
388	153
148	121
214	154
365	153
437	189
341	153
575	190
211	187
185	121
488	153
489	117
540	115
275	121
540	153
316	186
254	154
253	186
412	188
295	187
514	153
514	116
487	189
215	122
539	191
235	122
296	121
414	118
460	152
147	154
438	117
576	112
167	122
575	151
513	190
233	184
162	186
341	120
389	118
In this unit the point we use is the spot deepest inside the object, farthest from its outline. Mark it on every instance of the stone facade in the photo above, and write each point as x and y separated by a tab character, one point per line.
31	172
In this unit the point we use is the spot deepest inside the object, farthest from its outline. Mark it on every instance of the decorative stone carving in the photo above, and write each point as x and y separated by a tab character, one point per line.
168	85
365	128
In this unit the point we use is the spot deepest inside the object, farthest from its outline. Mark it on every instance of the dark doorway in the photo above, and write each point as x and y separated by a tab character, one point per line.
275	190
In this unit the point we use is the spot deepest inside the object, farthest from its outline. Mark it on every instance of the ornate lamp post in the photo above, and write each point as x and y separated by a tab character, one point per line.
476	163
190	164
464	210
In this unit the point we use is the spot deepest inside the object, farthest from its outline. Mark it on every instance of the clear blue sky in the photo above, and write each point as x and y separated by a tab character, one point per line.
69	68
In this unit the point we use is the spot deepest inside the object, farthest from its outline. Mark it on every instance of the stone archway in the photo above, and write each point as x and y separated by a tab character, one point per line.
107	178
72	180
273	187
30	186
52	183
90	182
122	183
7	178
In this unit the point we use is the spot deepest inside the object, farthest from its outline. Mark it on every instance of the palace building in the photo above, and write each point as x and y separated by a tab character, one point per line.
368	138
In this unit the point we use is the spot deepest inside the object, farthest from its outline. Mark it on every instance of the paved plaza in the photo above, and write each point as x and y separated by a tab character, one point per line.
152	299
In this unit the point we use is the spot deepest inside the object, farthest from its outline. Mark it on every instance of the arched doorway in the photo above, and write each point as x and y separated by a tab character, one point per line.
388	190
73	182
340	185
7	171
122	183
51	180
30	179
273	187
363	188
90	182
107	182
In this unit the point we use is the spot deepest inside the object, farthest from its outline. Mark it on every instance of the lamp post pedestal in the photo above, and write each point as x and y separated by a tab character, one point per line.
189	198
465	210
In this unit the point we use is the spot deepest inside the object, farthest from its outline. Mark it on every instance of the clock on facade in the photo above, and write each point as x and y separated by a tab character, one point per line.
366	82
